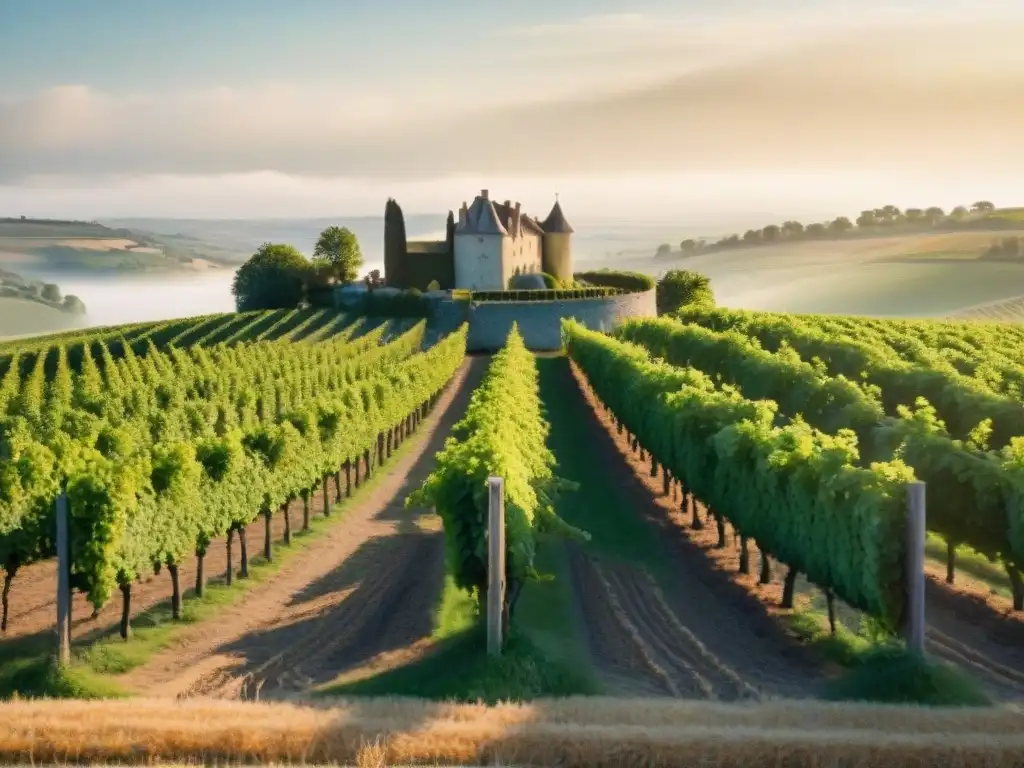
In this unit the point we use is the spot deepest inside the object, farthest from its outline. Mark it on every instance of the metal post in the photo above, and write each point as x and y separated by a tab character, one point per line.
63	583
915	627
495	562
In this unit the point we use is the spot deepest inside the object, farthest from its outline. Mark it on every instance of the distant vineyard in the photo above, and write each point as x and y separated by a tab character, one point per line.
166	436
1009	311
853	394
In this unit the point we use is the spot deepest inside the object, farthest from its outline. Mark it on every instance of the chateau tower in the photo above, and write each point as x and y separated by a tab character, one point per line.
557	252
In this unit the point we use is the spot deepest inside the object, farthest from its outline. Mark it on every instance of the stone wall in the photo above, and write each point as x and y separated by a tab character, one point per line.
540	321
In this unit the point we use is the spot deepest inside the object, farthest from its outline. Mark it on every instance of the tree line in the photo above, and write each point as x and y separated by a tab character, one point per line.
869	221
279	276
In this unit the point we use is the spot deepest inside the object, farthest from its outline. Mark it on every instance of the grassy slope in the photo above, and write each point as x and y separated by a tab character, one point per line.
913	274
21	316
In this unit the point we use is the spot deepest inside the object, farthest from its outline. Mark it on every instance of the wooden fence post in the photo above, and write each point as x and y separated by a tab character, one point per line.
63	583
915	626
495	562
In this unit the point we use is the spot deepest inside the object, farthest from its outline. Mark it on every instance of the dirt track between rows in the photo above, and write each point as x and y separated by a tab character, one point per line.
368	588
703	638
962	629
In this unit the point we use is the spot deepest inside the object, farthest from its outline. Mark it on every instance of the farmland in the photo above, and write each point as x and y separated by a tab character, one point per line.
690	502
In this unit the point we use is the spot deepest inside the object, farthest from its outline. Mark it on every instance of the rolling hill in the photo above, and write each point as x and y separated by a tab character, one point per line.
57	246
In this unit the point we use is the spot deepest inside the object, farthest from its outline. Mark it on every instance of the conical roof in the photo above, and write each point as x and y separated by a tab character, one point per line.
556	223
482	219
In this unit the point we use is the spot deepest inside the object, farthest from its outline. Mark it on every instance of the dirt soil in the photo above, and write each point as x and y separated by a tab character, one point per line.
362	595
706	639
964	626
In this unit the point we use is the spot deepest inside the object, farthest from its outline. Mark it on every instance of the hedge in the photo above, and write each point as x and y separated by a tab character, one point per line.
633	282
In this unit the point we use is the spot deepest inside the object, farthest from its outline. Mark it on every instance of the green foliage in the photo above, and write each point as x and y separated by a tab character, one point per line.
503	434
273	278
338	248
794	489
971	491
179	446
890	674
680	287
634	282
539	294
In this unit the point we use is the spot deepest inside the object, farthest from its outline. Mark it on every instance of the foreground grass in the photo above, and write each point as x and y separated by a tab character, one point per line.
28	669
541	658
596	506
879	668
584	731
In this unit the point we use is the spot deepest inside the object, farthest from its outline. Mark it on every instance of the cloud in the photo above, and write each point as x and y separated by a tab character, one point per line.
723	94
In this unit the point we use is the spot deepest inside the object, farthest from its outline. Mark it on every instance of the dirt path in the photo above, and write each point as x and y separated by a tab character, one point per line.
34	609
365	591
961	630
704	638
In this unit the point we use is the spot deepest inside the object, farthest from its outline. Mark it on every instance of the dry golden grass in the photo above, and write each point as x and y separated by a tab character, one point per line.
570	732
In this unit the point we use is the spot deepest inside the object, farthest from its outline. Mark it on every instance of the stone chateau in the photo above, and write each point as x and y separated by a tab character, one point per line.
485	247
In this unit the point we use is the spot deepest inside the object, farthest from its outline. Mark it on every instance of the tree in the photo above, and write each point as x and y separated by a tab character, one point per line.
688	246
751	236
793	229
373	279
914	214
959	212
934	213
866	219
339	248
664	249
51	292
273	278
982	206
841	225
816	230
771	232
680	287
73	304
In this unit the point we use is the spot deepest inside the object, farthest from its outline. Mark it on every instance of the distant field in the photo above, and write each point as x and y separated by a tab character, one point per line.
19	316
926	275
1009	311
84	246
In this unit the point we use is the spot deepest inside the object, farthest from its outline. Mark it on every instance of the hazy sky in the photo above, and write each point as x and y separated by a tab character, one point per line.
653	108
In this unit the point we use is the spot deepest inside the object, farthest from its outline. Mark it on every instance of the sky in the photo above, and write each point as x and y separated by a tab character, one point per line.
651	109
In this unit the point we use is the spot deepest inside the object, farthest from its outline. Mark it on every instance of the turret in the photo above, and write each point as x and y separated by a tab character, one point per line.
557	253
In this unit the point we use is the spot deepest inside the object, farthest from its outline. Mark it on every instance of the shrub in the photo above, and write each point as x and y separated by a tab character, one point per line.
680	288
630	281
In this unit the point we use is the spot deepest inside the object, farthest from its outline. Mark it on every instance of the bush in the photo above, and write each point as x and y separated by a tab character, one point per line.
550	281
681	288
561	294
527	282
274	277
633	282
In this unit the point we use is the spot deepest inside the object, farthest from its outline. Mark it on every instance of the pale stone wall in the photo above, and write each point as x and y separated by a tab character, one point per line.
479	262
522	253
540	321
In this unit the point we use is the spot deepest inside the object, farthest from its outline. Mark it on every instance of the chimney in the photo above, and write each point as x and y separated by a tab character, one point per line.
485	194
